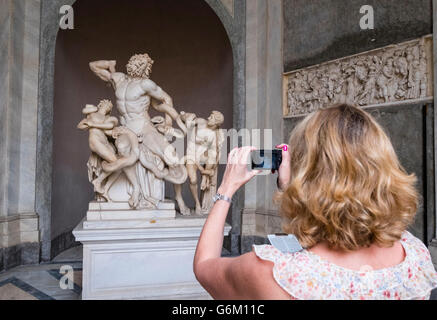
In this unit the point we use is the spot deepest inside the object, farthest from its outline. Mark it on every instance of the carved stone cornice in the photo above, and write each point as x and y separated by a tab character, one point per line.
395	73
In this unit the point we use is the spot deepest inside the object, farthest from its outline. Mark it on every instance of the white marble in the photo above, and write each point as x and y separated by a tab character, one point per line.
264	68
204	148
130	215
394	73
107	206
151	262
142	151
20	228
103	211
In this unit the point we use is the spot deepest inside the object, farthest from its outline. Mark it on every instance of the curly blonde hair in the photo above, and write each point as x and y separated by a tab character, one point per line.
347	187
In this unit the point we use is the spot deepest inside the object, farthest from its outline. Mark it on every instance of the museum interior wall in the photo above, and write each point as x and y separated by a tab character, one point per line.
193	64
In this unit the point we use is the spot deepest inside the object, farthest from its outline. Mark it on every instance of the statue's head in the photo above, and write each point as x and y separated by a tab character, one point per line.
402	66
105	106
361	71
140	66
216	119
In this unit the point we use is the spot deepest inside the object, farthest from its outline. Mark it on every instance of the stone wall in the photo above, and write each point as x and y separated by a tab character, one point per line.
19	41
263	111
315	31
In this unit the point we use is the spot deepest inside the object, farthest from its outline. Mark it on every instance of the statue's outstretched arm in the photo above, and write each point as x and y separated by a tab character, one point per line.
101	126
103	69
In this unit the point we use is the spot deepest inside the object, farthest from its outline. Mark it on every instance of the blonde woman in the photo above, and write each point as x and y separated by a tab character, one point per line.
348	201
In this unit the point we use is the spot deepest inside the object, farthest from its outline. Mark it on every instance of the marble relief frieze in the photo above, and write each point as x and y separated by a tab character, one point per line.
391	74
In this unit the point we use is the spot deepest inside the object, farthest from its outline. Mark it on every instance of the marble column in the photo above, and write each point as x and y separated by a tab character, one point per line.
19	61
232	14
5	33
263	111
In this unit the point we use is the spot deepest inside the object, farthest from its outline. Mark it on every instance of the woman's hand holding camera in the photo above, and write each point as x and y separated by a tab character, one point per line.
237	173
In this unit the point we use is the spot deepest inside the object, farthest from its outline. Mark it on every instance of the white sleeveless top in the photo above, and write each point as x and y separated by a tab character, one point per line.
307	276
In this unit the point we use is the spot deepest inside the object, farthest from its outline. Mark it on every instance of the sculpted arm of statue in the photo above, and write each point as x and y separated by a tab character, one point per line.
162	102
105	70
83	125
109	124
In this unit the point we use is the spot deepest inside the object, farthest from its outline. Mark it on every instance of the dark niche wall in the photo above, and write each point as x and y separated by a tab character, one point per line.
316	31
193	63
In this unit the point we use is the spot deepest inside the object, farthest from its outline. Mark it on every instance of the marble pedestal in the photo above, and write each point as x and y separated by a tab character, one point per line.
138	257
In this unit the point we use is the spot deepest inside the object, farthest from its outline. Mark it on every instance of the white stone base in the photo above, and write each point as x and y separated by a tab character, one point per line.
140	259
98	211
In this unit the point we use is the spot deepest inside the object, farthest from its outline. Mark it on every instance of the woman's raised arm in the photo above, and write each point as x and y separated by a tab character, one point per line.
212	271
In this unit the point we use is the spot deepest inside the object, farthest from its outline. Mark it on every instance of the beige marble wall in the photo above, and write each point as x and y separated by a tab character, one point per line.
264	69
29	106
17	229
5	32
19	63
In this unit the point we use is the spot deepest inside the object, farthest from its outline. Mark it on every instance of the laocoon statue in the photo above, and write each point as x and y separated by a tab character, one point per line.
150	159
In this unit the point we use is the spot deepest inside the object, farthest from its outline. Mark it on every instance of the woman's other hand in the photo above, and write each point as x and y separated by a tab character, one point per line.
284	171
237	173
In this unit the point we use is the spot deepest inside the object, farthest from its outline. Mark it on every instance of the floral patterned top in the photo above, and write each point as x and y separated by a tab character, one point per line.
307	276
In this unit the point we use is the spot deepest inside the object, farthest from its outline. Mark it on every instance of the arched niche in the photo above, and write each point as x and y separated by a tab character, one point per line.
65	84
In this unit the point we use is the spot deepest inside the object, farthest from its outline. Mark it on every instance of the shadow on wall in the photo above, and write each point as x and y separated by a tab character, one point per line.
193	63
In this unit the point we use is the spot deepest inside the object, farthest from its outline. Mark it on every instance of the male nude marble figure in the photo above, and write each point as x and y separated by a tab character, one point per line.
99	124
204	142
105	155
135	93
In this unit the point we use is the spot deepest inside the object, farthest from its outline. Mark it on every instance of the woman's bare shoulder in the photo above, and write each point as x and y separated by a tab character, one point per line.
256	277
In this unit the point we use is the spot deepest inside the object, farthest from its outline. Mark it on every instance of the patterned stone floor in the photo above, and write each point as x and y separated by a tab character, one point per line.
59	280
